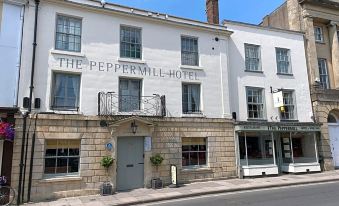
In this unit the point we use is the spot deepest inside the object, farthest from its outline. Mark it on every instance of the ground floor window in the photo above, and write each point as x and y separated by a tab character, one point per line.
62	157
298	147
256	148
194	151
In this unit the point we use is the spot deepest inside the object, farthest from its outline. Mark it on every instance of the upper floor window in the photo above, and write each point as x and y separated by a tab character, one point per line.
189	51
318	34
62	157
129	95
255	103
68	34
65	91
252	57
130	42
191	98
283	61
323	74
287	111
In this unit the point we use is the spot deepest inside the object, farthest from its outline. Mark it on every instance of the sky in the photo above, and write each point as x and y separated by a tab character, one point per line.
249	11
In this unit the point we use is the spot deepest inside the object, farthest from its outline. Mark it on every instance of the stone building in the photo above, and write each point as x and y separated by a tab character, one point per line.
319	20
121	82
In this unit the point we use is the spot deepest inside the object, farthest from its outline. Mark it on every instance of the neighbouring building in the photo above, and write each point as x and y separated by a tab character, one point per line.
127	83
274	131
319	20
11	21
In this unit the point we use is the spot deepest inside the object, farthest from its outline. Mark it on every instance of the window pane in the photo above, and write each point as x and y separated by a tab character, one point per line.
50	164
66	89
191	98
61	165
185	159
73	165
194	151
189	51
130	42
67	30
252	57
194	158
50	152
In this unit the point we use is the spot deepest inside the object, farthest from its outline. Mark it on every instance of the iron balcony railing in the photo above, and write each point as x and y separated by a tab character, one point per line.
112	104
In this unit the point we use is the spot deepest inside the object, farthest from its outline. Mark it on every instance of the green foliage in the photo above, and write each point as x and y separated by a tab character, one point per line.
156	160
107	161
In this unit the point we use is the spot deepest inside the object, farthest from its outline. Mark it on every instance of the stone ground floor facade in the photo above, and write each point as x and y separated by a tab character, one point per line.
69	148
326	111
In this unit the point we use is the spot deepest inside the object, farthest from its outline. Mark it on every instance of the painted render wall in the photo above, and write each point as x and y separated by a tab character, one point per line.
268	41
161	43
10	43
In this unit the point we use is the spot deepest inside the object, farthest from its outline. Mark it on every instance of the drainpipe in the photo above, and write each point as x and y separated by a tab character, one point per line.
31	162
31	87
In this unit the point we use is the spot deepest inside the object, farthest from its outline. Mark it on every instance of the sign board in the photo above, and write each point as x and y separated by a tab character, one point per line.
279	128
174	175
148	144
278	99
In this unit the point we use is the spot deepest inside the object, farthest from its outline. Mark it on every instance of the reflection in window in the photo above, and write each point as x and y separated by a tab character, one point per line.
193	151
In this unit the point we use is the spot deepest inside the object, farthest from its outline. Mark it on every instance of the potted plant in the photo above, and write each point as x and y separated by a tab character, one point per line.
156	160
107	187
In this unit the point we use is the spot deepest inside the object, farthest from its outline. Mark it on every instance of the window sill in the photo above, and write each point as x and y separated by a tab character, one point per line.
201	169
289	120
61	52
60	179
137	61
320	42
191	67
259	72
65	111
257	120
193	115
284	74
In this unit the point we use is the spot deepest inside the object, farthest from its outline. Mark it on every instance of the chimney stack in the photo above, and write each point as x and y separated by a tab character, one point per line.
212	10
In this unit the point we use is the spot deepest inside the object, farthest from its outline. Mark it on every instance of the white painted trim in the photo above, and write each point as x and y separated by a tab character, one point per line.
67	53
191	67
1	153
128	60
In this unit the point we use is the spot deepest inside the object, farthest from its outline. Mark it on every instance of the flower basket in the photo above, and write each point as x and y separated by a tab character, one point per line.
6	131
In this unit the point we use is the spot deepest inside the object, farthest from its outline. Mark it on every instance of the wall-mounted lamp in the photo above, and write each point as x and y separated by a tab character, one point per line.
134	127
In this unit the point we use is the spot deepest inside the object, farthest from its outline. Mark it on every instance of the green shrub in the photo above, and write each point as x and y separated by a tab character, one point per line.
156	160
107	161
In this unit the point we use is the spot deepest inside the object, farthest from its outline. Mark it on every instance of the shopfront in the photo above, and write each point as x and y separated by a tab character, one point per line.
275	148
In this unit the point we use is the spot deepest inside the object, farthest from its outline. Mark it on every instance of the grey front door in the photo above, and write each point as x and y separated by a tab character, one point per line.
130	163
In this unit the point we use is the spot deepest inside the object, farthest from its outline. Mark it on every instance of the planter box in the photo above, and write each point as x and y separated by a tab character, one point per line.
106	189
156	183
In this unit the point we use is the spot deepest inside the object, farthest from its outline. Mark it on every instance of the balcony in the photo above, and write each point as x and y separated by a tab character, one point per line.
112	104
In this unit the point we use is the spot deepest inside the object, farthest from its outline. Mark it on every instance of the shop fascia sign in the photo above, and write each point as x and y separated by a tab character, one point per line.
137	69
279	128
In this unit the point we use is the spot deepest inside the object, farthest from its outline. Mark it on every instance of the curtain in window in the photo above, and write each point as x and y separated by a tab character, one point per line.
66	91
195	104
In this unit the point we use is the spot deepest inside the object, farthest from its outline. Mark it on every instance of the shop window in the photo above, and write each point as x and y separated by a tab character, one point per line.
130	42
287	111
191	98
65	91
129	95
255	103
189	51
283	61
194	150
62	157
252	57
256	148
68	34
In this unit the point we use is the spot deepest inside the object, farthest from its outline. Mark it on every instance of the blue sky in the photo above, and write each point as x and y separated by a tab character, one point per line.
250	11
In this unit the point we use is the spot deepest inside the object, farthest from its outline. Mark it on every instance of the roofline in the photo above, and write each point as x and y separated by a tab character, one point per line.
155	16
225	22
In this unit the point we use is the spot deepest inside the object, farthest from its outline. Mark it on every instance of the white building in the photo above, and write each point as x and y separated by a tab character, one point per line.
270	98
129	84
11	20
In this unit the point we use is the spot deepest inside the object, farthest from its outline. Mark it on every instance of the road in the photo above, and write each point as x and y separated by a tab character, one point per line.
324	194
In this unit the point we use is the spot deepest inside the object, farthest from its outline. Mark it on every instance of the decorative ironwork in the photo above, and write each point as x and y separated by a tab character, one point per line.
112	104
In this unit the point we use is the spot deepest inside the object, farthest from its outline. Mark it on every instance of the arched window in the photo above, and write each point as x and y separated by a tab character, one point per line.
331	119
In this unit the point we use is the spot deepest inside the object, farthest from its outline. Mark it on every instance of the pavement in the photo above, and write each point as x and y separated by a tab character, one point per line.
141	196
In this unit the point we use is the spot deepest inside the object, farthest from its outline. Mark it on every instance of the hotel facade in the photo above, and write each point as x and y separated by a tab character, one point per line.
130	84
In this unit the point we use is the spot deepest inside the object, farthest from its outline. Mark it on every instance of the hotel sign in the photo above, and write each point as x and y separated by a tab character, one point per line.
275	128
125	69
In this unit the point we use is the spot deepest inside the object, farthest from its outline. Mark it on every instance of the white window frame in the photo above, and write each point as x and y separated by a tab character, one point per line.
287	59
135	29
206	154
249	59
51	175
262	92
316	34
323	73
289	105
199	111
194	51
69	18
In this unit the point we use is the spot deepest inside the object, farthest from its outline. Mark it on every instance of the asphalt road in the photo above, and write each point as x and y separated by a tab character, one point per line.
325	194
